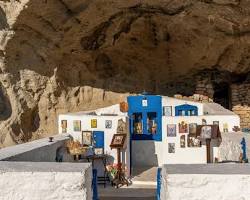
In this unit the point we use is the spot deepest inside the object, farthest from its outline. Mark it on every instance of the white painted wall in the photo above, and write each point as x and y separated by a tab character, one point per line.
215	184
45	181
145	152
150	153
108	133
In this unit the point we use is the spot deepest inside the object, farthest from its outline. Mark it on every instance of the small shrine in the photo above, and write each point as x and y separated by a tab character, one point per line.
148	130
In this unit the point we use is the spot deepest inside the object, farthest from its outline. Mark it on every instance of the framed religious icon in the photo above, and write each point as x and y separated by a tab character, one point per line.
206	132
171	130
121	127
98	151
144	103
167	110
183	141
93	123
216	123
64	126
171	147
183	127
87	138
192	128
225	127
118	140
108	124
77	125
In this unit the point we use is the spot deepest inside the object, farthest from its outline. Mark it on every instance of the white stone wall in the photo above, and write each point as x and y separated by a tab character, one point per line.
230	148
213	185
36	151
45	181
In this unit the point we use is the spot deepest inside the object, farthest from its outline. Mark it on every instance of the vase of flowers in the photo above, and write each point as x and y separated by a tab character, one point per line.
112	171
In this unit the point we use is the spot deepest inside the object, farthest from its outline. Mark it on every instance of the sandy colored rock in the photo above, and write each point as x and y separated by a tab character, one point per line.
59	56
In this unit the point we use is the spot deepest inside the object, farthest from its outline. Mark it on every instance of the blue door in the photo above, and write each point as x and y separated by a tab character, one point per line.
98	137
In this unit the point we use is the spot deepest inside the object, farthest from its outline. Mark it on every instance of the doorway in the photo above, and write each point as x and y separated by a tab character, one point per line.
222	94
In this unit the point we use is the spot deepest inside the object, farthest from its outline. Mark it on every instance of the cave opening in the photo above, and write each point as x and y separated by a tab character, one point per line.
222	94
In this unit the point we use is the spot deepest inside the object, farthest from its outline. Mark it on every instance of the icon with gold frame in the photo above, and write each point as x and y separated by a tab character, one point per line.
93	123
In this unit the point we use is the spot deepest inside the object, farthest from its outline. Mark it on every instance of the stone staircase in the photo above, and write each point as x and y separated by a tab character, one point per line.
143	187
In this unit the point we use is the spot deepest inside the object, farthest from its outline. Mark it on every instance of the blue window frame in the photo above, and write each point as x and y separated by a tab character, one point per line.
186	110
145	114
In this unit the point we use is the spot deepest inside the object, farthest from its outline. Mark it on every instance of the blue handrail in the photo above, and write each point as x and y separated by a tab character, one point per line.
159	178
94	185
244	149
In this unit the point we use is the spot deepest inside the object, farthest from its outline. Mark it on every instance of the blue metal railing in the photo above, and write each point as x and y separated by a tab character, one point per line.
159	179
94	185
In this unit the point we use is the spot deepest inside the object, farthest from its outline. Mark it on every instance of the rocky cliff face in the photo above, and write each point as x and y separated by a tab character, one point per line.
69	55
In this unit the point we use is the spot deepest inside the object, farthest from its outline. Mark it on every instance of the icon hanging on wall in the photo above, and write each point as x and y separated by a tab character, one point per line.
87	138
216	123
171	147
183	141
108	124
64	126
98	151
144	103
183	127
192	129
225	128
171	130
93	123
77	125
167	110
121	127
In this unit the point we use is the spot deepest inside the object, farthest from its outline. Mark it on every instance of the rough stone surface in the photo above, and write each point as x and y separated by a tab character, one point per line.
58	56
230	149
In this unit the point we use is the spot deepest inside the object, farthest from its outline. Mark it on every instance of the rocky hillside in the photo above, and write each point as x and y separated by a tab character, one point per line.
69	55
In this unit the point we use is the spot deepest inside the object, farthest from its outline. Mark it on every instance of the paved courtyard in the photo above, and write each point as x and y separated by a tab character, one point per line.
143	187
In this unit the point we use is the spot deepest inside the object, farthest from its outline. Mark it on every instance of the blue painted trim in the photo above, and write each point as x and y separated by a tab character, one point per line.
159	180
154	104
94	185
244	149
130	149
186	108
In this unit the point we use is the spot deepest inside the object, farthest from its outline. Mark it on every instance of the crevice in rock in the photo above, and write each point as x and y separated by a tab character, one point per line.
69	11
125	27
97	38
232	5
3	20
39	35
29	122
5	105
